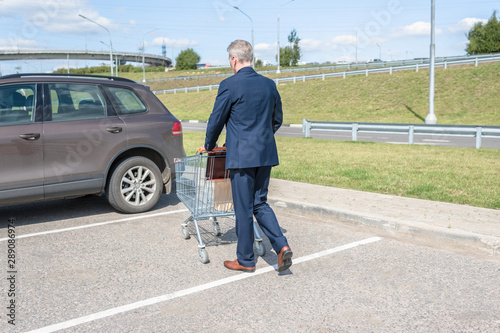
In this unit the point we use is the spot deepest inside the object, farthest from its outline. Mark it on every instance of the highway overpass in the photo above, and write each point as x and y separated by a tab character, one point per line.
150	59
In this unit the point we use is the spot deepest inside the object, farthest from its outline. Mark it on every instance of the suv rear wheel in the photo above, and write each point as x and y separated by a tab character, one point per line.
135	185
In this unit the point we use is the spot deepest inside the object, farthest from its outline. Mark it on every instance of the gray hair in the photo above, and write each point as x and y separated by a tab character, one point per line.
241	49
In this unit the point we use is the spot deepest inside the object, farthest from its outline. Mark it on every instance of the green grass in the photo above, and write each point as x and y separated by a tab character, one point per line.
465	95
455	175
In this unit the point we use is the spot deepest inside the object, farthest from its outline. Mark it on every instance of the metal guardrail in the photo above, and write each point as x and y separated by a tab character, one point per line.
378	67
186	89
391	69
412	129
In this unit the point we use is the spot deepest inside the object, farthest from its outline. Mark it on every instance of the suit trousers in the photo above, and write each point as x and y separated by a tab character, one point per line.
249	189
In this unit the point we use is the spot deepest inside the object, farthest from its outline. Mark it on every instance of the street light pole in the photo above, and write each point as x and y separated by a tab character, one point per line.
278	68
143	47
253	48
431	117
356	58
116	58
379	52
110	44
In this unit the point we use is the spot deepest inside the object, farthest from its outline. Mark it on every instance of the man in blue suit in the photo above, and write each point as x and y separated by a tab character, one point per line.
250	106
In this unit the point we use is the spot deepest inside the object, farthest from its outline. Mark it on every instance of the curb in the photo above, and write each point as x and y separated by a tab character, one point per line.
485	243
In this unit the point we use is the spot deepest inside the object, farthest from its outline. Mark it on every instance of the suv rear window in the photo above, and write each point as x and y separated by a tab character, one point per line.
76	101
125	101
16	104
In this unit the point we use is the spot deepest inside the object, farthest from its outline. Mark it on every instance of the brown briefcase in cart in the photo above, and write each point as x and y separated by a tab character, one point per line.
216	164
221	184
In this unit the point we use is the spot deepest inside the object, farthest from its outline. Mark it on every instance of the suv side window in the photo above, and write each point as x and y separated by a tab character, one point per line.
17	104
72	101
125	101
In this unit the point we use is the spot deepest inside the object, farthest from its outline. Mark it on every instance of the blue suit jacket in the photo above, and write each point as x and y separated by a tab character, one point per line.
250	106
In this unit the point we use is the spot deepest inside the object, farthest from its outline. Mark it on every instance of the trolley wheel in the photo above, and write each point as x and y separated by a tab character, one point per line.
202	252
261	250
216	228
185	232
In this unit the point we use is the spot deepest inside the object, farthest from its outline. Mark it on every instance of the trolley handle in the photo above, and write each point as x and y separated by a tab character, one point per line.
202	150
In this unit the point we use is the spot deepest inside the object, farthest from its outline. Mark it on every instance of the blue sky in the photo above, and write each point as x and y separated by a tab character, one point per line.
390	29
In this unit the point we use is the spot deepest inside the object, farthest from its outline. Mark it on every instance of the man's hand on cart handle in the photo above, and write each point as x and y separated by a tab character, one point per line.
202	150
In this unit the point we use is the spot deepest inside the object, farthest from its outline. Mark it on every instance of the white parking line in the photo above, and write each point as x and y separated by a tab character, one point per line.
55	231
189	291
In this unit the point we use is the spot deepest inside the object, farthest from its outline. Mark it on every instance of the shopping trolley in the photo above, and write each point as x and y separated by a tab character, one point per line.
204	187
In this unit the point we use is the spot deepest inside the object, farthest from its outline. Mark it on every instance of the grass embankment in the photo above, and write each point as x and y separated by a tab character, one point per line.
465	95
455	175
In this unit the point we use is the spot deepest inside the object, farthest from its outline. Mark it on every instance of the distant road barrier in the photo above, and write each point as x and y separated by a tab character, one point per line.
370	68
412	129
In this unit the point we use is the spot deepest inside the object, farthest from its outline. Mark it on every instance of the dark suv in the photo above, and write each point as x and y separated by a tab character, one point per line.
64	136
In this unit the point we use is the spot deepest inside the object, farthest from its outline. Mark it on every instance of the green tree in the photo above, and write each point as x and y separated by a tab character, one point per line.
290	54
187	59
484	38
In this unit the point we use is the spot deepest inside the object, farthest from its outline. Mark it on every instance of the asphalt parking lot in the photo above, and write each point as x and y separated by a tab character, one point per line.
82	267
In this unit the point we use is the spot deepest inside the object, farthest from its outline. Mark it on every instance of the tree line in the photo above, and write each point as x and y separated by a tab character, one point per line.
289	55
484	38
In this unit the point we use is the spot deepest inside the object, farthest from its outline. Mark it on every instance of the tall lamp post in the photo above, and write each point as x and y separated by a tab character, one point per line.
278	68
143	47
253	58
431	117
110	44
116	58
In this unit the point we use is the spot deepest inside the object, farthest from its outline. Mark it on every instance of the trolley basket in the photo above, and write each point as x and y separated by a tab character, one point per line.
204	187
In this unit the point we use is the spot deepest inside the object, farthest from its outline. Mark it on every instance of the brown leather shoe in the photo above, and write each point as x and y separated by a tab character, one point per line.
284	259
235	266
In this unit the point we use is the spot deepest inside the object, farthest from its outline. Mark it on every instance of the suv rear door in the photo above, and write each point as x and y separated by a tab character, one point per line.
81	136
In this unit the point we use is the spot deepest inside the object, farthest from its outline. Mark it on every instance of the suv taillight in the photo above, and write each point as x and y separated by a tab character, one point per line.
177	128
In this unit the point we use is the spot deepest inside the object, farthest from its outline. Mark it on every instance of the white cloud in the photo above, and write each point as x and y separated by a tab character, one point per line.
309	44
175	43
265	51
416	29
7	44
13	6
56	16
466	24
266	47
344	40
